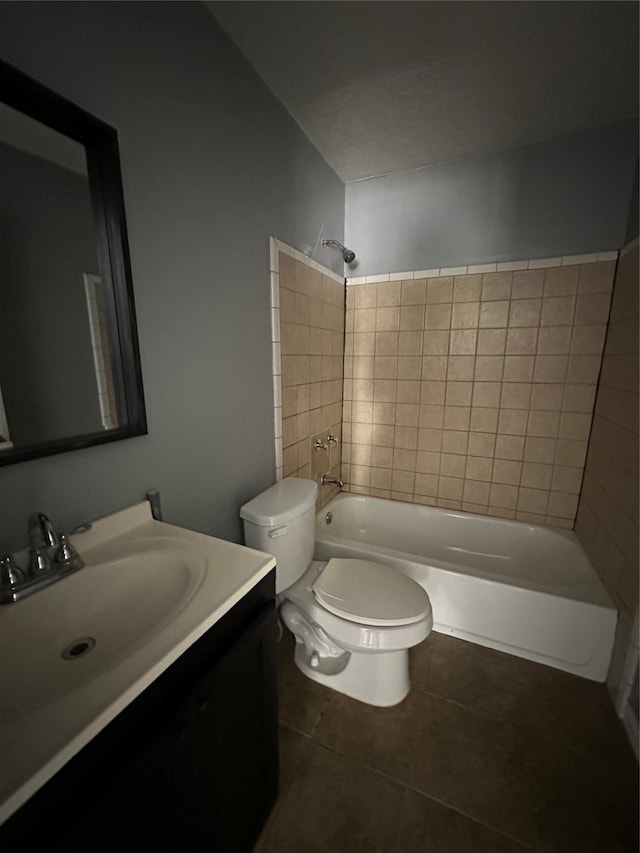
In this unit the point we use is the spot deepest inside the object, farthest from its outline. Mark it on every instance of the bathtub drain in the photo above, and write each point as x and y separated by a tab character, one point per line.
78	648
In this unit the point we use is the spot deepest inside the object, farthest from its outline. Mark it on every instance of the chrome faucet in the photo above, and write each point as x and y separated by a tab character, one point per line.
42	533
51	557
331	481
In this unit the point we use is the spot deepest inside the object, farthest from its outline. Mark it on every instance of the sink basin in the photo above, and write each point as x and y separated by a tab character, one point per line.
75	654
60	638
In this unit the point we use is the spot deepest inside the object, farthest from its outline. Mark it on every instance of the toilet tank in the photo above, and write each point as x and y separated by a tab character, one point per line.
281	521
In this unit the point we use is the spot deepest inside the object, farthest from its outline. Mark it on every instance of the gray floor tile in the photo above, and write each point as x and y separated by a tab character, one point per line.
335	806
429	827
581	804
465	760
553	703
293	746
488	753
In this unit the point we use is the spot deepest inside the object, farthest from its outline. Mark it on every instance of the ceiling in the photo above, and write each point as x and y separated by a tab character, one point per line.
386	87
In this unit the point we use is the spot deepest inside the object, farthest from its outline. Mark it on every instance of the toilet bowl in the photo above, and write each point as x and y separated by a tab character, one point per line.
354	621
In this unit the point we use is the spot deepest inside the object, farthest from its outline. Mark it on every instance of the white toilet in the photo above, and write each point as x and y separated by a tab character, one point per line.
354	621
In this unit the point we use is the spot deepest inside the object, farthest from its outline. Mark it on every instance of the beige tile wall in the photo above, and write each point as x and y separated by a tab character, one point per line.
308	323
607	521
475	391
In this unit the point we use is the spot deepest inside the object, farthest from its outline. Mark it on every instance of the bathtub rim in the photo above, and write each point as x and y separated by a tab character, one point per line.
594	595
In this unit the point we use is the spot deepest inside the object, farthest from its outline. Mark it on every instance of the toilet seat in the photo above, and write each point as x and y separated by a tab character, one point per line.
370	593
347	633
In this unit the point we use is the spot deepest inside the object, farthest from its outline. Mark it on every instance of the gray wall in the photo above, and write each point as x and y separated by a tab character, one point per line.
47	242
563	197
212	166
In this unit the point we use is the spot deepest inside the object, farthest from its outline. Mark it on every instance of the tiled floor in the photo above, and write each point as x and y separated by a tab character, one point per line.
488	754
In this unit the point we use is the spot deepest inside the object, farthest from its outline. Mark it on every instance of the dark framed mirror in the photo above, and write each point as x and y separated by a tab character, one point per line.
70	374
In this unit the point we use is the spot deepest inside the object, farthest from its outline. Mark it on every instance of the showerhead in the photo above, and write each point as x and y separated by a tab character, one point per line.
347	255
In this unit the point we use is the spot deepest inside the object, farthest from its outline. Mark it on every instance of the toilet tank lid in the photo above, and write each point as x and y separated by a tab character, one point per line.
282	502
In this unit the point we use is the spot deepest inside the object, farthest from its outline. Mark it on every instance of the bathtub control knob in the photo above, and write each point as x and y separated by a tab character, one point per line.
314	663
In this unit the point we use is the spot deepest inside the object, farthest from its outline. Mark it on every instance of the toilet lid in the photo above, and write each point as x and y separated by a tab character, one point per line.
371	593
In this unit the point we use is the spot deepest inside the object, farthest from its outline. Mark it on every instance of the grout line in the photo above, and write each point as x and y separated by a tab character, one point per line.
525	845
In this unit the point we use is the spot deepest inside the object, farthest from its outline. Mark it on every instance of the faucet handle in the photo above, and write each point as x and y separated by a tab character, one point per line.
331	439
66	555
11	578
39	562
10	573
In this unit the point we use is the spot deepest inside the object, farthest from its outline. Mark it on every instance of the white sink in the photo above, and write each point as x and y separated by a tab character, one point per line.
147	592
62	636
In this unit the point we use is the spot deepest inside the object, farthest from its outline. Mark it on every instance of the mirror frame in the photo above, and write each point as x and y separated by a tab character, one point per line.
100	142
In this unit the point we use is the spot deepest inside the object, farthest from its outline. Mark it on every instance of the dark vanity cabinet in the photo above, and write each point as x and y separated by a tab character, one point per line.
191	765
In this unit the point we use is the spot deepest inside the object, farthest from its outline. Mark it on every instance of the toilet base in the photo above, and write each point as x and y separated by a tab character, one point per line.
376	678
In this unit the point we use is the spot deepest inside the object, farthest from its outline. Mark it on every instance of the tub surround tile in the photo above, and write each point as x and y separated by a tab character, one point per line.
509	351
425	351
308	324
581	259
482	268
539	263
500	266
511	266
607	516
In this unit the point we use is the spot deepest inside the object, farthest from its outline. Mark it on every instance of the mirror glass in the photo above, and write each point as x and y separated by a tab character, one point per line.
69	363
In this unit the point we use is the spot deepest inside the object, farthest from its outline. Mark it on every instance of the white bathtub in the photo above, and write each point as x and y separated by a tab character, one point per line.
520	588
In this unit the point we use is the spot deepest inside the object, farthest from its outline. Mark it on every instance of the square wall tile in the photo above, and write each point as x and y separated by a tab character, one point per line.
489	368
414	292
527	284
521	341
496	285
493	315
561	281
481	444
592	309
557	311
431	439
439	290
511	447
536	475
483	419
533	500
467	288
468	377
524	312
454	441
464	315
506	472
491	341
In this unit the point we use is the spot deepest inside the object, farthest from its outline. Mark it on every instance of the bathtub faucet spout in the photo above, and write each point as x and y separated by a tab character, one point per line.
331	481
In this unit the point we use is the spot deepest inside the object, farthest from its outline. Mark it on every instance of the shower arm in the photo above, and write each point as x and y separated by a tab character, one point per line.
347	255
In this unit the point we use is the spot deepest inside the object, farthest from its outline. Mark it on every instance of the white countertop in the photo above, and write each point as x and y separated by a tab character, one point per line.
39	739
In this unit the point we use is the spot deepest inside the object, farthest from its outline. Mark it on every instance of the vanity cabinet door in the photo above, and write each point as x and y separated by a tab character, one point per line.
130	813
235	727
